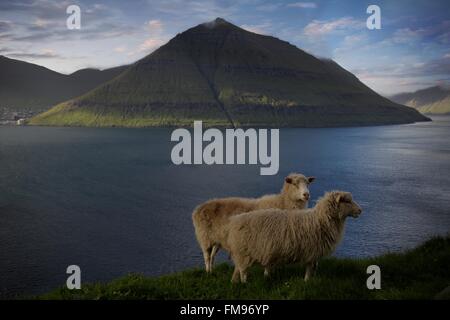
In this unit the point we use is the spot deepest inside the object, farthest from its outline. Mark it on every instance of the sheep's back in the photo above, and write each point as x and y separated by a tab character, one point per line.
267	236
211	216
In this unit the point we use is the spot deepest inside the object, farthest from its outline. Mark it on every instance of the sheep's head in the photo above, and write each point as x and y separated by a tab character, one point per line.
345	205
296	187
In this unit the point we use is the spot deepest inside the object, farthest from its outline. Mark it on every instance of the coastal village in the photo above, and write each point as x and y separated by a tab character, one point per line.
19	117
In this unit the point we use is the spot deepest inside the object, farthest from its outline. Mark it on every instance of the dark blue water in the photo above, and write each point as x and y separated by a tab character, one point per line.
111	201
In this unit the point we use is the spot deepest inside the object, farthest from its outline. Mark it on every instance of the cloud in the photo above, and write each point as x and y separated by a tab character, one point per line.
438	66
405	76
268	7
44	54
302	5
444	38
150	44
5	26
45	20
196	9
96	8
154	25
350	43
406	35
102	30
120	49
27	26
262	28
41	23
155	28
44	9
354	39
437	31
323	28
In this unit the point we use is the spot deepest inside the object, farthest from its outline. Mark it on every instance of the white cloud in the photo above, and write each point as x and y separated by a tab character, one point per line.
120	49
354	39
35	56
150	45
197	10
349	44
303	5
262	28
49	52
406	35
157	38
268	7
322	28
154	25
42	23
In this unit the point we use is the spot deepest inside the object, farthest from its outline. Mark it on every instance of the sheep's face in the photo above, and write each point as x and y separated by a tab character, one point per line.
346	205
297	187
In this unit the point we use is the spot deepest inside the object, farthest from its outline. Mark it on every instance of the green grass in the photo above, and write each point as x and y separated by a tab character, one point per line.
421	273
62	115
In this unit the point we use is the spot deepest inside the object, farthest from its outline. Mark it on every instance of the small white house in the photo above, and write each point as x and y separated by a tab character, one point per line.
20	122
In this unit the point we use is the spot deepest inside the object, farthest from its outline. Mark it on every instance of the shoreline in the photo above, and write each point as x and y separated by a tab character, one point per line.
223	126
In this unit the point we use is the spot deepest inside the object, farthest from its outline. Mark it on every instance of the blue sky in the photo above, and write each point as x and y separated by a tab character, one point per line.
411	51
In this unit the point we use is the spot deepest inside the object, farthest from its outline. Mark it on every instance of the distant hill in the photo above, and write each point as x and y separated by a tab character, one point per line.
433	100
224	75
26	85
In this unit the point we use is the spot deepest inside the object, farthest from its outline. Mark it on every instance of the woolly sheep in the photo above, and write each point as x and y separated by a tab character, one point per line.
210	217
273	236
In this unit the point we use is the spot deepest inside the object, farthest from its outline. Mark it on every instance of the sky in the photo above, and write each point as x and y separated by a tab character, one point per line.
411	50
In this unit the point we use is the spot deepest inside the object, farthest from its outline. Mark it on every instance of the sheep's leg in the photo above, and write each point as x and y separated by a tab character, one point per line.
243	273
214	250
207	258
240	268
310	269
235	277
266	272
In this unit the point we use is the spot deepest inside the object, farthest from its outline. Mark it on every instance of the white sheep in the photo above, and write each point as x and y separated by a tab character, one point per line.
273	236
210	217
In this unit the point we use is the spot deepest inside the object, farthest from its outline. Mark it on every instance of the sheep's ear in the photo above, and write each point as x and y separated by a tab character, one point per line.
288	180
311	179
343	197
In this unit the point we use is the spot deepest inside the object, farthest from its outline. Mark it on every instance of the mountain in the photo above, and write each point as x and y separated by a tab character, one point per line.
26	85
224	75
433	100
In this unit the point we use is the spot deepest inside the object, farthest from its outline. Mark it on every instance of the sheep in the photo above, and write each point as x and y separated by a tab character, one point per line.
210	217
272	237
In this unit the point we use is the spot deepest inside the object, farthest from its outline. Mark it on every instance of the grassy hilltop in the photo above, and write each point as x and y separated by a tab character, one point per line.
421	273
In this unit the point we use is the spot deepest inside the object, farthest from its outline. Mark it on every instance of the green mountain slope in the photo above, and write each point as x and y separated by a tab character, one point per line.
433	100
224	75
26	85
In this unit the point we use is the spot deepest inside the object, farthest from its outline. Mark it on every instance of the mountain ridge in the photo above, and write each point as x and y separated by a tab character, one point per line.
431	100
225	75
28	85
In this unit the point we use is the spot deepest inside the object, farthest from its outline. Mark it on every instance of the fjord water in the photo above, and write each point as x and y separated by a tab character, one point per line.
111	201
